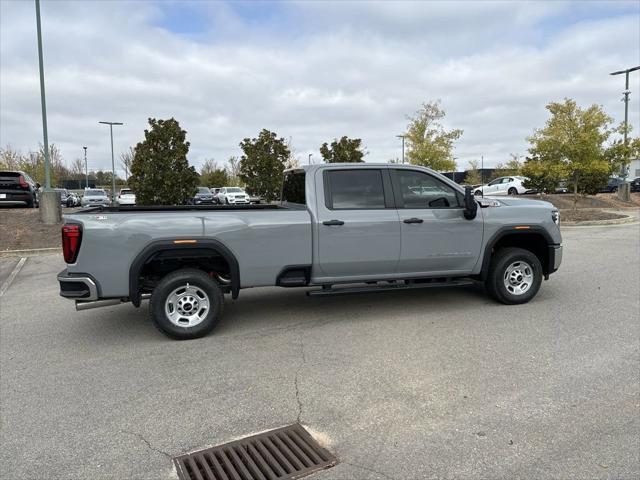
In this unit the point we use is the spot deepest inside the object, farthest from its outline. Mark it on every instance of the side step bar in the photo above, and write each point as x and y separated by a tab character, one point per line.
387	287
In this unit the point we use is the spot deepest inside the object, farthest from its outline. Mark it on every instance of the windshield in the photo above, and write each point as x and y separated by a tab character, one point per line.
203	190
94	193
235	190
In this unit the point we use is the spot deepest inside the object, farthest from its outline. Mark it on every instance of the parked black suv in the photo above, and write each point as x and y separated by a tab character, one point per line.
18	188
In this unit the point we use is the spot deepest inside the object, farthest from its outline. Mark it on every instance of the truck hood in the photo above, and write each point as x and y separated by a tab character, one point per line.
521	202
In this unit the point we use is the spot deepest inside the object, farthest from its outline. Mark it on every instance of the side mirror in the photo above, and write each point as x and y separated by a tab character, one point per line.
470	204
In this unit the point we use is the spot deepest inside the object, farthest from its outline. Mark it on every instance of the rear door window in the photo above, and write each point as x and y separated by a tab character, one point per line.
360	189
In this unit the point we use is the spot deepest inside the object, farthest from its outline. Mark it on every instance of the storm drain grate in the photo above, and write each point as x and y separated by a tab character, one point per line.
284	453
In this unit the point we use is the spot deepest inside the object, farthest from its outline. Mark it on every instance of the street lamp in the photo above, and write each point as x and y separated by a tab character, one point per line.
113	164
86	169
310	155
49	200
402	137
623	170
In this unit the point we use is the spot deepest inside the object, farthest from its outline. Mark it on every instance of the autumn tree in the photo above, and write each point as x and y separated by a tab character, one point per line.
345	150
428	143
572	143
126	159
160	171
213	176
473	175
262	163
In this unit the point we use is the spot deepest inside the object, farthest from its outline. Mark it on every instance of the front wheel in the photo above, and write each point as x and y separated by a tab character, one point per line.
515	276
478	193
186	304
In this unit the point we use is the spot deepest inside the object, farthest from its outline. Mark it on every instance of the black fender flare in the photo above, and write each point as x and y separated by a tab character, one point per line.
511	230
153	248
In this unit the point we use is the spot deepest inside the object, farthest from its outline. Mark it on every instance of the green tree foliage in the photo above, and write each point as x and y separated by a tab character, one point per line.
572	144
213	176
262	163
160	172
429	144
473	176
618	154
543	176
345	150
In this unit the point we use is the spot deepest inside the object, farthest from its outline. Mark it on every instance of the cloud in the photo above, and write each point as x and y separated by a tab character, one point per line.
310	71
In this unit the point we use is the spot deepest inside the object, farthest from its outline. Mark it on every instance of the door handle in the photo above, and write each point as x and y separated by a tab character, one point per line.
333	222
413	220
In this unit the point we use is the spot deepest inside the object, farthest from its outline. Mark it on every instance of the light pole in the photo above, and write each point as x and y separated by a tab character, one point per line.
402	137
623	170
113	164
86	169
310	155
50	211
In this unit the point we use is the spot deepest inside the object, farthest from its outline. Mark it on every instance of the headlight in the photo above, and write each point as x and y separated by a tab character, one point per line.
555	216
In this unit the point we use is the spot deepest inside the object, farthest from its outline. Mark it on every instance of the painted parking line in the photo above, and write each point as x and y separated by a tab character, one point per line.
7	283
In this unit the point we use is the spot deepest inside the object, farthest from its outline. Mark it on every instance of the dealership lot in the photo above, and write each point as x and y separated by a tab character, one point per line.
434	383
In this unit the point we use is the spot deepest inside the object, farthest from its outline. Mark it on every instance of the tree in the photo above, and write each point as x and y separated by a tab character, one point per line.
428	143
77	169
262	164
573	142
473	176
10	159
160	172
212	176
543	176
511	168
345	150
233	170
126	159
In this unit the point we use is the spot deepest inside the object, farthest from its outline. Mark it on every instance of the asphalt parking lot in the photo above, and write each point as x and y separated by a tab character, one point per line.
416	384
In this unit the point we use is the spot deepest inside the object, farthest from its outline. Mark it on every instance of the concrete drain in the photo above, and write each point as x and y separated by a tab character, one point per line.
285	453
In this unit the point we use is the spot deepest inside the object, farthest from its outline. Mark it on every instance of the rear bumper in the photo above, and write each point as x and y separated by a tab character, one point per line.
555	258
77	286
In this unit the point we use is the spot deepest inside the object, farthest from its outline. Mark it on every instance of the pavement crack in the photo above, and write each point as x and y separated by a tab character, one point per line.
147	443
370	470
297	379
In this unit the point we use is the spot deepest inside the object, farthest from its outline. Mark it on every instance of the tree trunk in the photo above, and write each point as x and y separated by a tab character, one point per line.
575	191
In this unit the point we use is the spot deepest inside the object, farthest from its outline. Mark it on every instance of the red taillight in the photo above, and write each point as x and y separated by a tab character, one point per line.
23	183
71	238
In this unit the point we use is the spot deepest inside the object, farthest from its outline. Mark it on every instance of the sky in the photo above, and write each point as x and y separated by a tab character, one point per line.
311	71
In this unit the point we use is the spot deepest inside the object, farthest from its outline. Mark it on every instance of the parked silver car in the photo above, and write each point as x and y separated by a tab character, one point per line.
95	197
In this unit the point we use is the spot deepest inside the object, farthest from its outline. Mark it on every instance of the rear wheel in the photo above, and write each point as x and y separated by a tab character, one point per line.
186	304
513	191
478	193
514	276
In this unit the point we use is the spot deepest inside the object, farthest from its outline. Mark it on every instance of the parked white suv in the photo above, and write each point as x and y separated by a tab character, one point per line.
126	197
232	196
503	186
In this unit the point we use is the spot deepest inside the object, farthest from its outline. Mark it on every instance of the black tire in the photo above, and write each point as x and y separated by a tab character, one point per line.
31	203
173	281
513	191
478	193
226	201
614	190
500	262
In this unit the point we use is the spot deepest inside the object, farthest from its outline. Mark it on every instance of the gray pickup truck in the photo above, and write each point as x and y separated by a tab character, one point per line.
344	228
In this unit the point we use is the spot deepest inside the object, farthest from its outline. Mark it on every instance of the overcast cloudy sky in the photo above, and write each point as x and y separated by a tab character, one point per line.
310	71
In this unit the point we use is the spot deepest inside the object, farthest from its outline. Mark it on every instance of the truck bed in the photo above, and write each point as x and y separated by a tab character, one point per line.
178	208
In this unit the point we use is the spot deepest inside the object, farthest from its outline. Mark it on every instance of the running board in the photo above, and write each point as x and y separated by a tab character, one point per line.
386	287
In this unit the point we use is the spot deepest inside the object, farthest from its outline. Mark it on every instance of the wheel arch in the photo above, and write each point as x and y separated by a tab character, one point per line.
200	249
534	239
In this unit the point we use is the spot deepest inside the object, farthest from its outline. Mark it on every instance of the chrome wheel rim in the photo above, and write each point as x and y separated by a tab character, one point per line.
187	306
518	277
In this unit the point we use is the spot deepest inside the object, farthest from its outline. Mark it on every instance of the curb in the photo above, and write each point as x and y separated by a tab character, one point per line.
29	252
588	223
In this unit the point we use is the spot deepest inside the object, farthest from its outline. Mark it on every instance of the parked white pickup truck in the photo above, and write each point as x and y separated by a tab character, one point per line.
343	228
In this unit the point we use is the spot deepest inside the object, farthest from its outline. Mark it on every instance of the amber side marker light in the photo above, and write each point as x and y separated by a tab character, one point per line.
523	227
185	241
